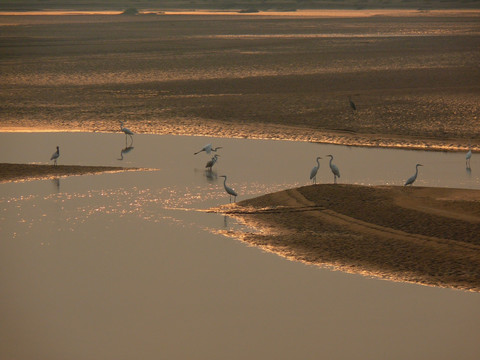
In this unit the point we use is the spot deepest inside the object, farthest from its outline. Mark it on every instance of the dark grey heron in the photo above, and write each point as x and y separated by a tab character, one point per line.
412	178
212	162
352	104
55	156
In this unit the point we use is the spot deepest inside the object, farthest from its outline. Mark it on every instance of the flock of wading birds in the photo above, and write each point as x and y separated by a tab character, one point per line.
313	173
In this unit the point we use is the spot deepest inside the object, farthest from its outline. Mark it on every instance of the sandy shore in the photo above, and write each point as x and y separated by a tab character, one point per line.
26	172
429	236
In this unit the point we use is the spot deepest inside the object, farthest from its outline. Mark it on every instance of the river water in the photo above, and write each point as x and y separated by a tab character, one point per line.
124	265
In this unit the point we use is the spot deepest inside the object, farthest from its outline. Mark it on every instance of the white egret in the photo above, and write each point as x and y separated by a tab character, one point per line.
352	104
334	168
208	149
126	131
228	189
55	156
468	157
313	173
412	179
212	162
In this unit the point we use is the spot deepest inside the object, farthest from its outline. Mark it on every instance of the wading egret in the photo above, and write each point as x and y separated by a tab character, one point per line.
228	189
468	157
126	131
352	104
334	168
412	179
212	162
313	173
208	149
55	156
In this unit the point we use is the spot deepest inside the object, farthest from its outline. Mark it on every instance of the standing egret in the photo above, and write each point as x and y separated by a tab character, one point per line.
228	189
212	162
468	157
126	131
313	173
334	168
352	104
55	156
208	149
412	179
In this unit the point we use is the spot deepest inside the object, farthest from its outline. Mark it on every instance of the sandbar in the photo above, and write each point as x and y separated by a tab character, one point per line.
422	235
26	172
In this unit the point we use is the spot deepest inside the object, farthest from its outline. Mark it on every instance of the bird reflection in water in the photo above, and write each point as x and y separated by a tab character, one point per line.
211	175
56	184
125	150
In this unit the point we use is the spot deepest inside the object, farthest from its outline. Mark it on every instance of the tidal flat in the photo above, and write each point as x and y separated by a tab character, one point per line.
413	76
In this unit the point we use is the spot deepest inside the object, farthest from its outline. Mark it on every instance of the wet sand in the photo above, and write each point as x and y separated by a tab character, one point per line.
427	236
27	172
413	76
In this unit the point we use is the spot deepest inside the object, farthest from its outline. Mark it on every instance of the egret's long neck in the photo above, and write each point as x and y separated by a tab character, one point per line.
318	162
331	161
225	181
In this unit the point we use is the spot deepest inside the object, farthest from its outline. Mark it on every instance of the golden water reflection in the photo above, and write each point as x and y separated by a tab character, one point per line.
74	259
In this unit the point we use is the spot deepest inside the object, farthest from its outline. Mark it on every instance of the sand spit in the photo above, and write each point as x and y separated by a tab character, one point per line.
262	131
27	172
428	236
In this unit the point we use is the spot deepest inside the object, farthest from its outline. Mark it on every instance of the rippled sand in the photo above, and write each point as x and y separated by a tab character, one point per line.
428	236
414	78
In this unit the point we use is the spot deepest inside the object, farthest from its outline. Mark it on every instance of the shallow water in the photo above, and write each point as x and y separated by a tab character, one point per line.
117	266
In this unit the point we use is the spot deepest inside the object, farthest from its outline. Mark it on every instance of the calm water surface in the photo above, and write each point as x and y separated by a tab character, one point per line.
122	266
